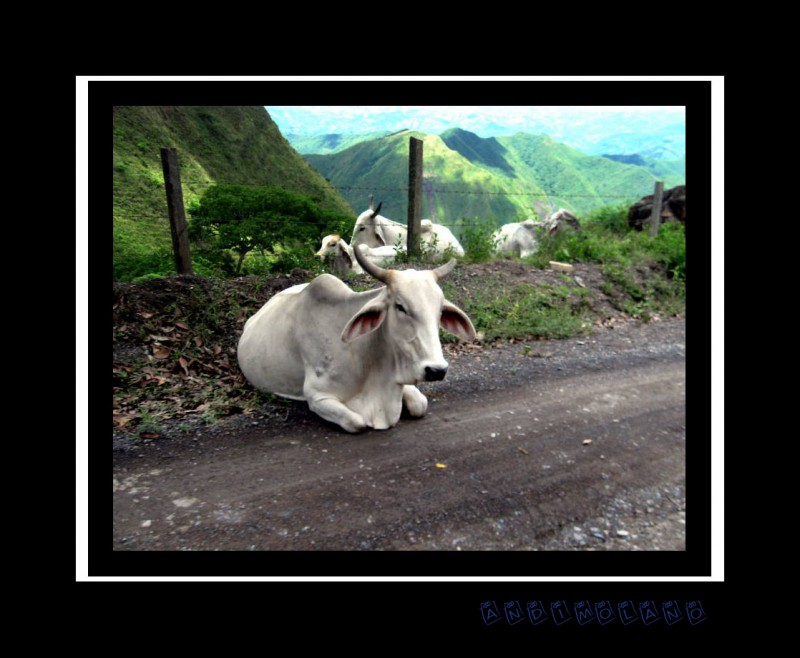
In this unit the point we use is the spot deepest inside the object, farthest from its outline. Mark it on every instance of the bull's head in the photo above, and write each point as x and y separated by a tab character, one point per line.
333	246
368	229
410	311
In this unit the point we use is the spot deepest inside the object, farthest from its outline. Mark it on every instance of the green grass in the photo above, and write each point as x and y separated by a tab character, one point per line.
522	311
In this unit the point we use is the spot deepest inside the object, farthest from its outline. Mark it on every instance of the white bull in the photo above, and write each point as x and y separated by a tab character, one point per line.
374	230
339	255
518	238
560	221
354	357
522	238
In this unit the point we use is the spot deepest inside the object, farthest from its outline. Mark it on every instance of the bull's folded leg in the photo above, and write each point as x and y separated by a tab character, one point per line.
334	411
416	403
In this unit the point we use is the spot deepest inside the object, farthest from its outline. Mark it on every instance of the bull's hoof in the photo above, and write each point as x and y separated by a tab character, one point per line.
354	428
415	402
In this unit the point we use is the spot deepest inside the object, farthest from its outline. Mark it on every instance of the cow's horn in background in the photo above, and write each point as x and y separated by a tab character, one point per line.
370	267
371	202
443	270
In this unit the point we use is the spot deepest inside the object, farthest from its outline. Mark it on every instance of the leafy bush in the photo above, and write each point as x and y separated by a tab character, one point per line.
669	248
283	258
610	218
269	220
478	241
133	263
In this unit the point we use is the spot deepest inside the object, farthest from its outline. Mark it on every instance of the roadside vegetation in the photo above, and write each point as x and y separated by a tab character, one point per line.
639	275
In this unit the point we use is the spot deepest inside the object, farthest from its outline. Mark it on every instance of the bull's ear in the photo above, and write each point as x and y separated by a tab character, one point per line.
367	320
456	322
346	254
379	234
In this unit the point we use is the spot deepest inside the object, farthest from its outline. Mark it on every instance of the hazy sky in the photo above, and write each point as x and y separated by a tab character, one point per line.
487	110
486	120
582	127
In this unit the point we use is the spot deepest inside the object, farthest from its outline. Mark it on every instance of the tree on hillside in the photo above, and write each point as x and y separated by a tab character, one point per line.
247	218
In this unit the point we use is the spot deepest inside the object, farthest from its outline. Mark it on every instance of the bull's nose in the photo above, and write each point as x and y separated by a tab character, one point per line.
434	374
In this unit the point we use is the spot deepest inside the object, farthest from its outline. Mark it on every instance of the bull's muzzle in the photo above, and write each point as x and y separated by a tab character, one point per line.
434	374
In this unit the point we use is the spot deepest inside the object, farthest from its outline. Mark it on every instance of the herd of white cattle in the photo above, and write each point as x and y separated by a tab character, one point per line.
357	357
383	238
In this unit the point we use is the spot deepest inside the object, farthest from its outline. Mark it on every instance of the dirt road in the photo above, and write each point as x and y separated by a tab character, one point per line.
550	445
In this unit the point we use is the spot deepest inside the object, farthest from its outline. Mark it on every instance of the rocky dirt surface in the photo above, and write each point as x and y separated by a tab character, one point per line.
575	444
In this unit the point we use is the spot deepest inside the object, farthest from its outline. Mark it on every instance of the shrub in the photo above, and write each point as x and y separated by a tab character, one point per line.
610	218
478	241
269	220
133	263
669	248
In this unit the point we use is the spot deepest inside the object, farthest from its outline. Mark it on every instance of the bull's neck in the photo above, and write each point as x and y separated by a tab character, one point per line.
384	355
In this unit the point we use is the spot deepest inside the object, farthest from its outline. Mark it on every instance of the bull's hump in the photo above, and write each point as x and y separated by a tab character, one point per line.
327	289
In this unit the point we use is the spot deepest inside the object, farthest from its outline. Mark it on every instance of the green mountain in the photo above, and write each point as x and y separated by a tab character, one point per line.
330	143
380	167
498	178
487	152
215	145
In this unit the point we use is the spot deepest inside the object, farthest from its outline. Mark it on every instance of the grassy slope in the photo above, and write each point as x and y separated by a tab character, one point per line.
381	167
576	181
215	144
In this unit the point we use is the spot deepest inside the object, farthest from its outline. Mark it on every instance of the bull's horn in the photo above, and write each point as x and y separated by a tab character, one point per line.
370	267
371	202
443	270
377	210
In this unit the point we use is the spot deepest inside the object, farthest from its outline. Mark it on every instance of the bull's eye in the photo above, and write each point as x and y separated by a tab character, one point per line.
361	228
401	308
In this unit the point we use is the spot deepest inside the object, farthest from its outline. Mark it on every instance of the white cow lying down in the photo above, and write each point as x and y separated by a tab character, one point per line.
518	238
374	230
341	260
354	357
521	238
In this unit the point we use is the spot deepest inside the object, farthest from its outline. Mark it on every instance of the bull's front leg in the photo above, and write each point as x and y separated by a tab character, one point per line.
333	410
416	403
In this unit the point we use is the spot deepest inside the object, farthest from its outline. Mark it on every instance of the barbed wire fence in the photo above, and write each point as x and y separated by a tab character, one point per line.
436	190
415	190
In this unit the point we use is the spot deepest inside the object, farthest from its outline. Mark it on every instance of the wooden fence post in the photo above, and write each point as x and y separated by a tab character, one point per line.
177	213
414	195
655	216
